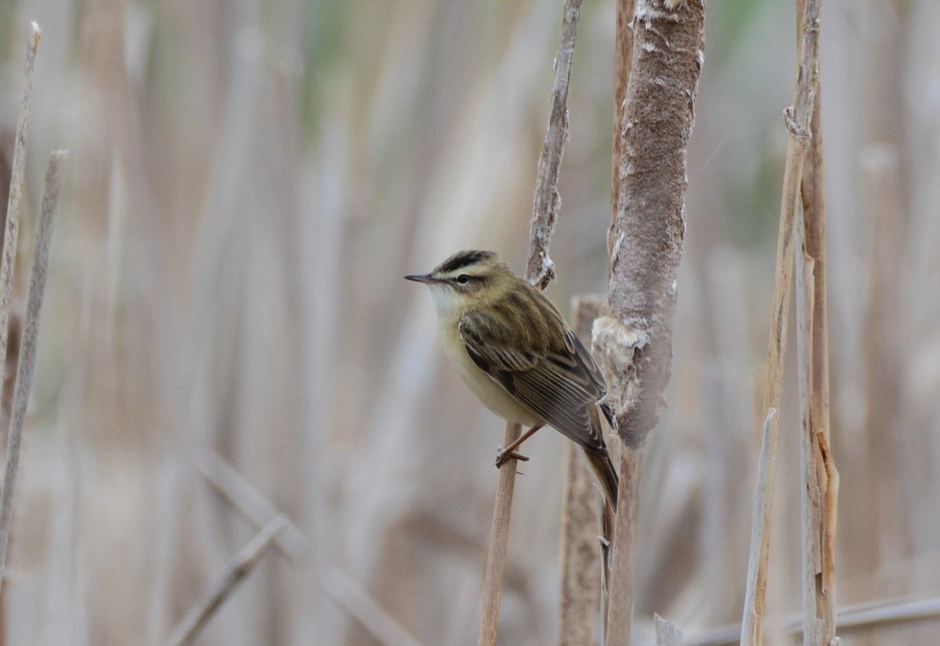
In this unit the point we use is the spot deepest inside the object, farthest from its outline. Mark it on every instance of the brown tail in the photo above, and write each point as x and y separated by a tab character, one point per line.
603	469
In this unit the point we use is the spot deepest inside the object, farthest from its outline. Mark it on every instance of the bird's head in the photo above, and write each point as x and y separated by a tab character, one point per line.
464	279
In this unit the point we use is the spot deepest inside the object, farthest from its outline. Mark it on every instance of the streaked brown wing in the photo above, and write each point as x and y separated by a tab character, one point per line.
554	382
587	362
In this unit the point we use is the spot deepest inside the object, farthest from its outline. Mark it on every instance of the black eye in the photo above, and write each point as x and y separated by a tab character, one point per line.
463	279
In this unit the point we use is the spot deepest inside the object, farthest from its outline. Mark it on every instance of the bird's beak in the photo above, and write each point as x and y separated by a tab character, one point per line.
421	278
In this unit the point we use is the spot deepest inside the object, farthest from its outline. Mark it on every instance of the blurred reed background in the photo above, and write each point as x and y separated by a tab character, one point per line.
248	183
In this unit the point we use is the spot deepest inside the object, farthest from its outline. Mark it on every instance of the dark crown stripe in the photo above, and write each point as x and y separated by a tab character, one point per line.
463	259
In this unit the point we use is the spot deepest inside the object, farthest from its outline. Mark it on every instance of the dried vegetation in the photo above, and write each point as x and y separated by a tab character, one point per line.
226	338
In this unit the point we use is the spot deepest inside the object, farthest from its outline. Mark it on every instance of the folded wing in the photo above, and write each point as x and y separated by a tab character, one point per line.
557	380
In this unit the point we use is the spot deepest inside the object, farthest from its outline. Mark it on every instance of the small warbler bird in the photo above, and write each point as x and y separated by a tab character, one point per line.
514	350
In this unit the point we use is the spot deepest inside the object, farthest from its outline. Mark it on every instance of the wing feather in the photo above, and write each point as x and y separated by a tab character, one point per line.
559	383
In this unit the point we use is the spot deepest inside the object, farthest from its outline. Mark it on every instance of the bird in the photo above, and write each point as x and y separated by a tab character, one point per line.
516	353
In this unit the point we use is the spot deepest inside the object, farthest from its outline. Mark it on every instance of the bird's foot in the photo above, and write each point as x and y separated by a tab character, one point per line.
503	456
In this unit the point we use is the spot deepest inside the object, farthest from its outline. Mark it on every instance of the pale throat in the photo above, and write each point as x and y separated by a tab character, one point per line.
450	307
447	302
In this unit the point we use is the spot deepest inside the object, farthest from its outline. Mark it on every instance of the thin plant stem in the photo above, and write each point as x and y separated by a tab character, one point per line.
52	190
810	500
339	586
623	59
250	503
539	271
798	120
242	565
826	585
814	247
820	479
854	618
499	536
759	528
623	562
12	228
580	556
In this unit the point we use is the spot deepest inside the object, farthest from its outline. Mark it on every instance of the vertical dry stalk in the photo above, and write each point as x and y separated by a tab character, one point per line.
499	537
623	562
814	246
10	237
752	623
826	580
759	528
10	364
821	477
244	562
580	557
623	59
52	189
11	232
645	246
798	120
539	271
811	498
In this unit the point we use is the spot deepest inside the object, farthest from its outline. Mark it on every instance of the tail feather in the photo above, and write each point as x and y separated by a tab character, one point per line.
603	469
601	465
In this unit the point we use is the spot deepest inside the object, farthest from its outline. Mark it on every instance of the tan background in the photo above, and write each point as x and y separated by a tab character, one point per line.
248	183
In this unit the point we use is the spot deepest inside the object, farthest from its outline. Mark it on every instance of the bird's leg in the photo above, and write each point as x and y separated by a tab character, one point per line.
503	455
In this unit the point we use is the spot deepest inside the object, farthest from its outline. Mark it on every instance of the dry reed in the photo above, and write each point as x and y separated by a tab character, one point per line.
12	225
851	619
825	473
539	271
248	186
360	607
645	246
242	565
52	190
798	119
581	558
